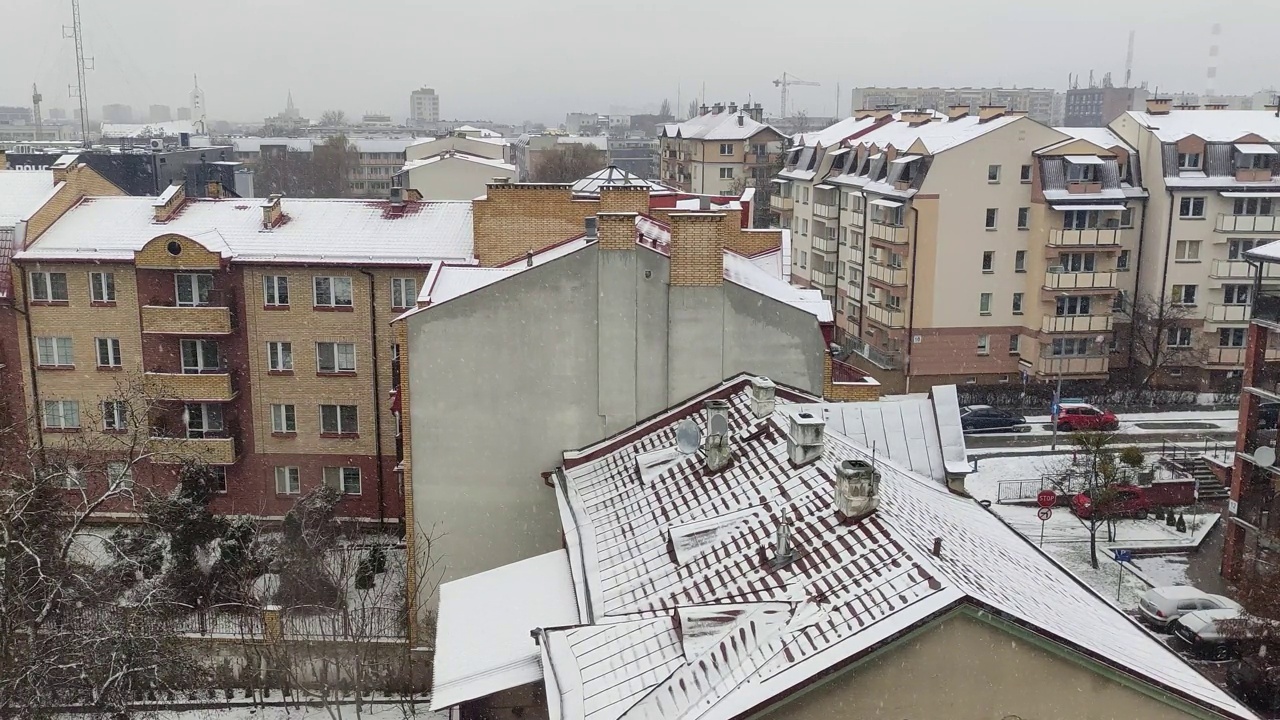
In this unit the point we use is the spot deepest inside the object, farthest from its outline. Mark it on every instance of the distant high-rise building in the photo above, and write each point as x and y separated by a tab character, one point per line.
159	113
1097	106
117	113
424	107
14	115
184	113
57	114
1036	102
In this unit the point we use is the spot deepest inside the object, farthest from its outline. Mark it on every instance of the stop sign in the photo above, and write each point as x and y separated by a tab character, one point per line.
1047	498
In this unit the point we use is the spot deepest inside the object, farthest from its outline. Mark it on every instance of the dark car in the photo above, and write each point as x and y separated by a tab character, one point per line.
984	418
1080	416
1250	681
1125	501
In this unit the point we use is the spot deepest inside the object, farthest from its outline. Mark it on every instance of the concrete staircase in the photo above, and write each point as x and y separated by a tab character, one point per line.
1207	485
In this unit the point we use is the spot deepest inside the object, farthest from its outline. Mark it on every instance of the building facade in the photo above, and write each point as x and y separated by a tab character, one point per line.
1038	103
721	151
375	159
451	175
424	107
1098	106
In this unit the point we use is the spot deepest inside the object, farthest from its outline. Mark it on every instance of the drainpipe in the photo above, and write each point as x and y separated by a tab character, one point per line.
1137	267
37	411
377	401
911	297
1164	270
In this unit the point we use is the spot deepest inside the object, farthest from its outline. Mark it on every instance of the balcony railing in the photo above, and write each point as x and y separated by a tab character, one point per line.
825	242
1233	356
886	316
896	277
892	234
1080	280
825	211
1248	223
822	279
213	451
1072	365
878	357
779	202
1227	313
1076	323
1239	269
205	387
1096	237
199	320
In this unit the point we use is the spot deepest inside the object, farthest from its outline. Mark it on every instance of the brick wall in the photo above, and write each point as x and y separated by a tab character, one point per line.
617	231
630	199
842	391
513	219
697	249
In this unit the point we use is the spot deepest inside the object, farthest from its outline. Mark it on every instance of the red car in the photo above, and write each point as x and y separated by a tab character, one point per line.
1079	416
1127	501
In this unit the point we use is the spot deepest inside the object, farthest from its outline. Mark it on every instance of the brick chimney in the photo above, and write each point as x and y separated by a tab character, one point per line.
1159	105
863	114
805	438
697	249
955	112
987	113
1215	106
168	202
624	199
616	230
271	211
916	118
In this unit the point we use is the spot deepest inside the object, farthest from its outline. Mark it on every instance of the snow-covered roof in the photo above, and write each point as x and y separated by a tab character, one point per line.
382	145
480	132
613	176
716	126
937	135
1210	125
308	144
170	128
455	155
1100	136
254	144
22	192
483	643
834	134
651	552
1267	253
313	231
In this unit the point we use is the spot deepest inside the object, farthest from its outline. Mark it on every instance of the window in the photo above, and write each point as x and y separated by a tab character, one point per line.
759	148
1079	173
1017	303
1020	261
988	261
1073	305
805	191
1013	343
108	352
726	148
804	226
1024	218
49	287
844	200
283	420
1255	161
54	352
1118	302
1122	261
115	416
1080	219
1188	161
1025	174
204	420
120	474
280	356
1126	218
1237	248
61	414
333	357
346	479
1179	337
993	173
803	259
1077	262
287	481
200	356
332	291
102	287
984	303
1231	337
404	292
1252	206
726	173
193	288
1191	207
73	478
992	214
1184	294
1235	294
218	478
984	344
339	420
1070	346
1187	250
275	290
844	235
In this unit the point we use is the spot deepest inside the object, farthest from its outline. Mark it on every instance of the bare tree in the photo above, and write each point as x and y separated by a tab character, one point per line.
1162	336
664	110
567	163
801	122
331	164
693	110
333	118
1096	467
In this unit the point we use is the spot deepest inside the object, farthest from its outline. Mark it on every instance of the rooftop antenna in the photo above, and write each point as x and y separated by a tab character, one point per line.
1211	74
82	64
36	97
1128	60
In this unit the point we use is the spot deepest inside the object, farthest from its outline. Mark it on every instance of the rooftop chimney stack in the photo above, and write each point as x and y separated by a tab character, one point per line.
704	203
740	121
591	227
804	442
857	490
716	447
1159	105
987	113
955	112
271	211
733	107
763	396
397	196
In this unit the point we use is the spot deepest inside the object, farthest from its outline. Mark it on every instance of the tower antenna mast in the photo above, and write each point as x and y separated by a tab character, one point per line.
82	64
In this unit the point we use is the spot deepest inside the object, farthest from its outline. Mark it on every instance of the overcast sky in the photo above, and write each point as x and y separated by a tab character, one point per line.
510	61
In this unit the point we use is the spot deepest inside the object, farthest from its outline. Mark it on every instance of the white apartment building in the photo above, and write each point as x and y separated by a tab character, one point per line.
1036	102
1214	180
424	107
965	247
719	152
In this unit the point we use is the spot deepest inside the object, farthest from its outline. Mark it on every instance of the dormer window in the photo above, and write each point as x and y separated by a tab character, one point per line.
1254	156
1083	168
1188	161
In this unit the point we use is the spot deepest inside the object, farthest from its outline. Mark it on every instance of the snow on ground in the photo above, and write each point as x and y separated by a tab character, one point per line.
1156	422
1163	570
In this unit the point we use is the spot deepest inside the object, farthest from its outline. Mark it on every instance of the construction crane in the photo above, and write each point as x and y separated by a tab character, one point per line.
787	81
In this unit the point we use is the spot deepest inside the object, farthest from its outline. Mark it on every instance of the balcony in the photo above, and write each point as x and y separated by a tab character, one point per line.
201	320
886	316
826	211
1072	365
1251	175
1076	323
1083	188
764	158
891	234
1231	356
213	451
825	242
820	279
1080	280
880	358
1247	223
1103	238
781	203
893	276
1218	313
205	387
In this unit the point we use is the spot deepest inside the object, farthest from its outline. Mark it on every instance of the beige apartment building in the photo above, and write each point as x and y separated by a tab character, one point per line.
962	247
1214	181
719	152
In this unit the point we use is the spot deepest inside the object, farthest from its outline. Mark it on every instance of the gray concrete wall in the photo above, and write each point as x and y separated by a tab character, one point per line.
766	337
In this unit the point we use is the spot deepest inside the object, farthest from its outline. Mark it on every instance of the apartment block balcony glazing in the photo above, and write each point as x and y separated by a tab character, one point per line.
1077	323
825	241
884	315
820	279
1100	238
1247	223
1080	280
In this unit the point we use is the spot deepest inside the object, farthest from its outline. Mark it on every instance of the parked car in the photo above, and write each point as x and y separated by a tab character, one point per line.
984	418
1129	501
1160	606
1250	681
1201	633
1082	416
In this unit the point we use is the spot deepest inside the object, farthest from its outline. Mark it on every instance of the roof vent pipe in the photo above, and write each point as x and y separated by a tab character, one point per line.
716	447
591	225
704	202
763	396
804	442
739	120
857	490
784	553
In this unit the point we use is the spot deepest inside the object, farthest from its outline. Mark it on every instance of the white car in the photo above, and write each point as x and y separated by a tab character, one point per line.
1162	605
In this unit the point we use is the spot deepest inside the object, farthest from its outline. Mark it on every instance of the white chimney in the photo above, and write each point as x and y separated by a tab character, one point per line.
804	442
715	447
763	395
857	490
784	553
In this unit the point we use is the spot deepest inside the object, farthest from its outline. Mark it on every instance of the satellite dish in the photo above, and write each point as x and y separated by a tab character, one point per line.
1265	456
688	437
718	425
